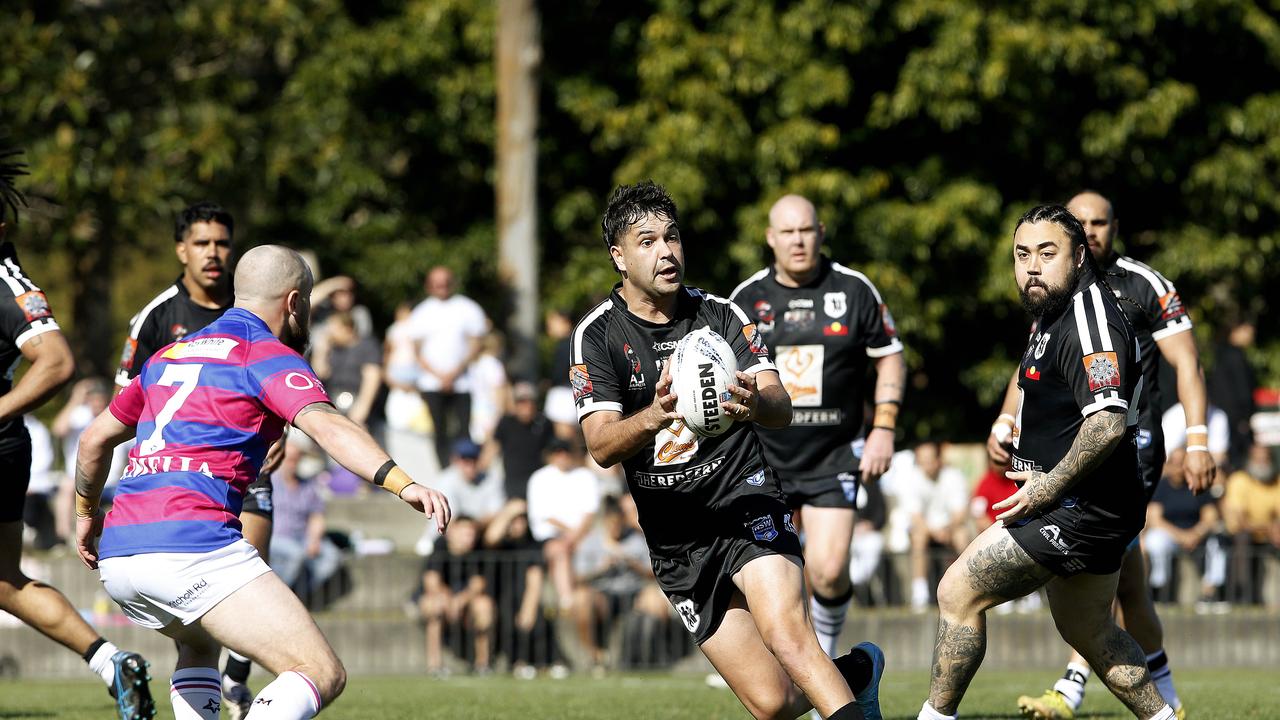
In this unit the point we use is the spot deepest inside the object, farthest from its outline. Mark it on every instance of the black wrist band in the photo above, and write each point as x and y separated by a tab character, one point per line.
381	476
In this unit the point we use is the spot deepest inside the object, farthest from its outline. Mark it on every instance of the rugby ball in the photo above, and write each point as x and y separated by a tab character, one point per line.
702	369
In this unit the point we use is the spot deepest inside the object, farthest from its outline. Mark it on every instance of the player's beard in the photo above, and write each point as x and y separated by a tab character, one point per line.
296	334
1055	299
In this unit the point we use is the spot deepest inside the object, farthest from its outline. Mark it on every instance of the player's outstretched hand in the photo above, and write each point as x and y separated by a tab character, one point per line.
998	451
87	531
1199	470
877	453
746	398
664	401
431	502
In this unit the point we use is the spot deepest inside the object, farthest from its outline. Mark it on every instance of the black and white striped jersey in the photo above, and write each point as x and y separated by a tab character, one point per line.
169	317
1083	361
1156	312
24	315
686	488
823	336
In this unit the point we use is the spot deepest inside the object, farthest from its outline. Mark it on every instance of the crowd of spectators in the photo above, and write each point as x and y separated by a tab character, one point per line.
545	544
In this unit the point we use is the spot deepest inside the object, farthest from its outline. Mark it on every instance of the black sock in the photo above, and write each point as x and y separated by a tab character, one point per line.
856	668
237	670
93	649
848	712
840	599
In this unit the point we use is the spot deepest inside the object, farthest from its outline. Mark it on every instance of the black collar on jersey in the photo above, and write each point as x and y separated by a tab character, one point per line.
182	290
824	269
683	296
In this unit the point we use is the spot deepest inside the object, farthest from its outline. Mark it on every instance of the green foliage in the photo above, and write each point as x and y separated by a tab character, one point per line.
920	128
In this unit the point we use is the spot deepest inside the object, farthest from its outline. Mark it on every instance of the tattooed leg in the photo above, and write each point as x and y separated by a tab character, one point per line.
1081	608
991	570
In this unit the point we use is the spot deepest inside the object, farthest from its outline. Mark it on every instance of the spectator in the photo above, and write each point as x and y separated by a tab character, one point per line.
456	595
993	487
448	328
1231	382
559	407
1252	510
489	388
614	576
335	295
471	491
301	554
563	500
407	421
519	583
520	439
1181	522
936	498
867	547
1174	424
351	368
89	397
37	512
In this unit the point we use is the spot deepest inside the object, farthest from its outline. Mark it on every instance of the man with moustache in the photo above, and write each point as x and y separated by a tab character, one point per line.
203	239
1160	320
1081	500
205	411
825	323
720	536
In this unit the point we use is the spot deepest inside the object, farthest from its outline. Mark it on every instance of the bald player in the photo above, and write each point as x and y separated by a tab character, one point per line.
170	553
826	324
1161	323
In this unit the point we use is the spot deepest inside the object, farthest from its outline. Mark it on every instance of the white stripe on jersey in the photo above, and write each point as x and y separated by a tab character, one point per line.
135	325
14	284
1082	324
1158	283
38	327
1104	333
742	317
847	271
1180	325
12	268
895	344
575	356
754	278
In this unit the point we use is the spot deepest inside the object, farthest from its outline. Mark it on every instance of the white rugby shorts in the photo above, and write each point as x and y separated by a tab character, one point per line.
155	589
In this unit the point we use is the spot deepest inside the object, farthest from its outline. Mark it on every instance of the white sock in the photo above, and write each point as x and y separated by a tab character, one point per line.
1162	676
101	663
928	713
291	697
238	656
196	693
1071	685
828	620
1166	713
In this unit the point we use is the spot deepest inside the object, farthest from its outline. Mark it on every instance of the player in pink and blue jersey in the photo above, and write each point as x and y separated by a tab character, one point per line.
205	410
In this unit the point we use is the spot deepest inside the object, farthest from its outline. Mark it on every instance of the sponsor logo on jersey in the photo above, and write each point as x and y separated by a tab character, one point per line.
754	341
633	362
1103	369
1143	438
191	594
580	381
1033	372
887	318
1171	306
835	304
794	303
790	526
849	486
126	357
218	348
178	331
1024	465
764	313
1053	534
1042	343
155	464
763	530
823	416
665	345
799	319
688	615
674	445
800	367
35	306
835	329
661	481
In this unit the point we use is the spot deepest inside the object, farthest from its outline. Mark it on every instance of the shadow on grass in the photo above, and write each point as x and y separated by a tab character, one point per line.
26	714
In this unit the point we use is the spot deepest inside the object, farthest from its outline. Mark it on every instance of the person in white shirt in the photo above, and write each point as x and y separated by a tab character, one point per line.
1174	425
448	328
936	498
490	391
563	498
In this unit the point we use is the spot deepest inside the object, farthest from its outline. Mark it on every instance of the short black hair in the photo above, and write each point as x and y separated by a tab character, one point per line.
629	204
202	212
11	167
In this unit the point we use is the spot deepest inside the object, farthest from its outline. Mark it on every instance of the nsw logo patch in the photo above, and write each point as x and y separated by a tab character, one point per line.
763	529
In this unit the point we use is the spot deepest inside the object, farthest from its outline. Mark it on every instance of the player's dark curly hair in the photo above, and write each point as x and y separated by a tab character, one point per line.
202	212
11	198
629	204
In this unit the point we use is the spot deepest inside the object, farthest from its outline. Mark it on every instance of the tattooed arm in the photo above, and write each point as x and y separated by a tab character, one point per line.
1099	434
51	367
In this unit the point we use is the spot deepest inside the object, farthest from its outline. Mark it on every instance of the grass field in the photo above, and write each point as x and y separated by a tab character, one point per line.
1216	694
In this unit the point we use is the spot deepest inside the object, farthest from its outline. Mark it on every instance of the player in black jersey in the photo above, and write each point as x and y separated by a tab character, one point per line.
825	323
28	330
720	537
1154	308
202	237
1080	500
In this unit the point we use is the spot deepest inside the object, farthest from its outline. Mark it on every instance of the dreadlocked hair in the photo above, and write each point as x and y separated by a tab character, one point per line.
10	197
1062	217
